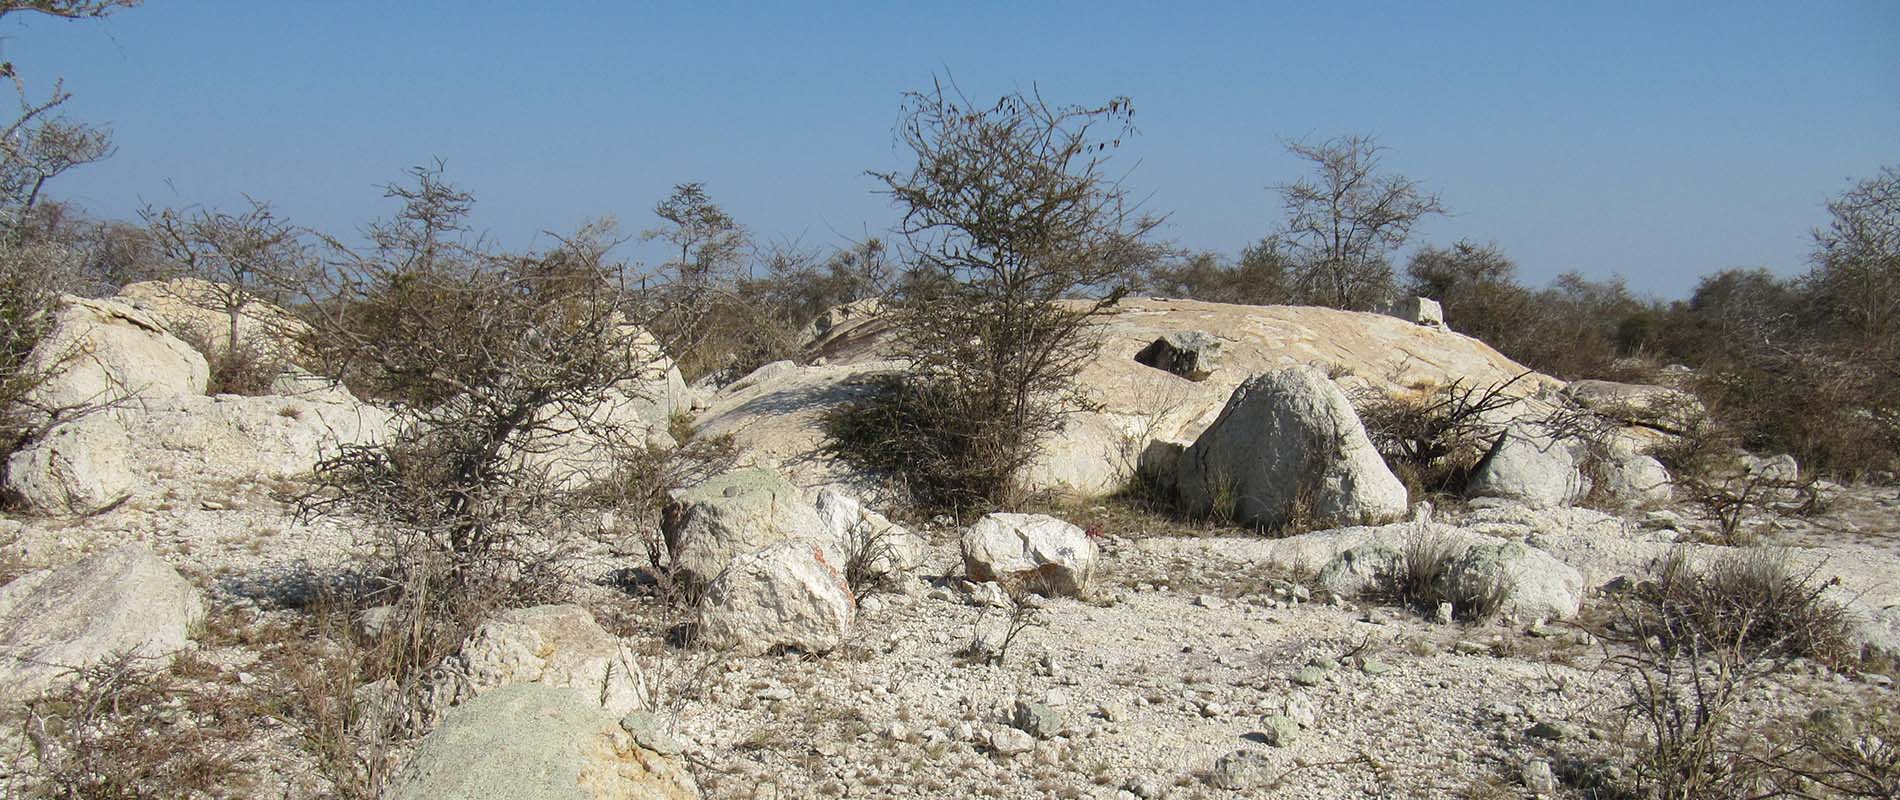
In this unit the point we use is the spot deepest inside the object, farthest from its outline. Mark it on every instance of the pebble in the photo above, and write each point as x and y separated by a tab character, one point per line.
1010	741
1539	777
1279	730
1309	676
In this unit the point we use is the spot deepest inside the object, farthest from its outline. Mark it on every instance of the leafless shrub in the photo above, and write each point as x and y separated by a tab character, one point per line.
1757	601
1431	569
242	366
124	730
637	490
1022	612
1433	436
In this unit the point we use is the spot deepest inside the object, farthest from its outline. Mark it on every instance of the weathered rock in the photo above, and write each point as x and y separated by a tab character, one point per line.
534	742
884	547
738	512
195	310
1418	311
1633	480
1289	444
1050	556
559	645
786	595
1036	719
79	467
1279	730
1348	562
1189	354
1531	467
1781	467
106	351
121	601
1659	407
1242	770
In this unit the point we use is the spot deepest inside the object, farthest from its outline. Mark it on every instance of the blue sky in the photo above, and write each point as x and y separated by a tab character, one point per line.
1659	141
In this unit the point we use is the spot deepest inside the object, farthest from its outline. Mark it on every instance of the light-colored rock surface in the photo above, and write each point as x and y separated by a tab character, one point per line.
80	467
1660	407
735	513
1418	311
777	421
535	742
884	547
106	351
559	645
785	595
1530	467
1348	559
1632	480
124	600
197	310
1288	438
1190	354
1049	555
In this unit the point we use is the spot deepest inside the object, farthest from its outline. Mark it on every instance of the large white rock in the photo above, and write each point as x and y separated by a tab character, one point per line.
884	547
1285	437
556	645
121	601
196	310
785	595
535	742
1051	556
1633	480
106	351
734	513
81	467
1531	467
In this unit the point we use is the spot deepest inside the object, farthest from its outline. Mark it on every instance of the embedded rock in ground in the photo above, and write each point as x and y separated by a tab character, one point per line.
1349	561
196	311
1288	445
1659	407
1531	467
1781	467
106	351
1633	480
734	513
1418	311
78	468
1050	556
883	547
785	595
559	645
533	742
122	601
1189	354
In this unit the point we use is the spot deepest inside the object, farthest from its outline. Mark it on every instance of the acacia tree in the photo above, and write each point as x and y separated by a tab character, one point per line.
243	261
37	145
1007	212
1346	218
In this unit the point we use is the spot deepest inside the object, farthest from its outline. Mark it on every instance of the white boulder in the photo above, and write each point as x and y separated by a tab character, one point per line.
556	645
786	595
78	468
1289	436
1050	556
734	513
106	351
1531	467
121	601
884	547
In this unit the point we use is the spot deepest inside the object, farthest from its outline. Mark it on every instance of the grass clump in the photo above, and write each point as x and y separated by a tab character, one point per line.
1432	569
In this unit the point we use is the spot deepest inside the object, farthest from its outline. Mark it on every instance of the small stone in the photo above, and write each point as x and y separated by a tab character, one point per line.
1309	676
1373	666
1471	648
649	733
1037	719
211	505
1009	742
1149	788
246	679
1538	777
1212	710
989	594
1112	713
774	693
1553	730
1208	601
1300	708
1876	679
1242	769
1278	730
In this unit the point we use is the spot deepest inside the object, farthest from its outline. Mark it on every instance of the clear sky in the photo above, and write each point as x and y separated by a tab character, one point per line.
1655	140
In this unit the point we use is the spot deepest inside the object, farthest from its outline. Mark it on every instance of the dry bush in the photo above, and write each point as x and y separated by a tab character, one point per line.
1431	569
921	439
637	490
124	730
1433	436
1756	601
241	367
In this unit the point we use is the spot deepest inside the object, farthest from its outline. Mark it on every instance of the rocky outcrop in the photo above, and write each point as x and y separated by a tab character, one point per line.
735	513
776	419
122	601
1529	466
106	351
883	547
1289	445
558	645
1049	556
533	742
1348	562
786	595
